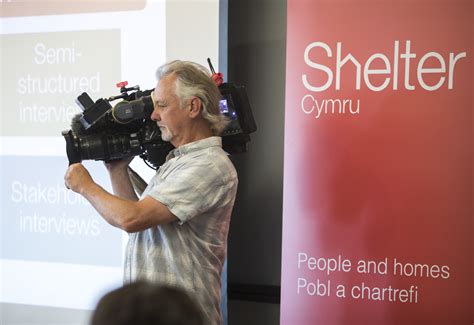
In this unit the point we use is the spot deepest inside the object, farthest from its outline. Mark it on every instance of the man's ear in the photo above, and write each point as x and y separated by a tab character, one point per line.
195	107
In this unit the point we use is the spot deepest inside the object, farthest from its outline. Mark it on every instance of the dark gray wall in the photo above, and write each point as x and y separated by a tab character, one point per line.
257	40
256	59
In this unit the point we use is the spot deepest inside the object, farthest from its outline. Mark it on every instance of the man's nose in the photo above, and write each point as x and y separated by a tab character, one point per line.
155	115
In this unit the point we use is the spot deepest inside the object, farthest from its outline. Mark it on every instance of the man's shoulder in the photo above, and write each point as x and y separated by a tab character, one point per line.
216	160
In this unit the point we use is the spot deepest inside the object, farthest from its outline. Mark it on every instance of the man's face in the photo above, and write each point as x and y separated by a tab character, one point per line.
167	112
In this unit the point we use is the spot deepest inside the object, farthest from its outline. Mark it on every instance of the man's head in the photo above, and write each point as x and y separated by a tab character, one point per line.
188	86
143	303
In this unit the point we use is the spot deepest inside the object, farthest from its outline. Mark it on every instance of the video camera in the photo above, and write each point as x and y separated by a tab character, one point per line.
106	132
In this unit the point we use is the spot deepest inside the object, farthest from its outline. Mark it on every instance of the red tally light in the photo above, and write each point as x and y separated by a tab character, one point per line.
218	78
122	84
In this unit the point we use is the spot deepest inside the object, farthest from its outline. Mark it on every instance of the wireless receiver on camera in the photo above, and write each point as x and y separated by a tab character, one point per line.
106	132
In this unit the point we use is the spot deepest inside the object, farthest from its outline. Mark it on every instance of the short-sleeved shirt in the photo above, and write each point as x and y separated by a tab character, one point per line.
198	184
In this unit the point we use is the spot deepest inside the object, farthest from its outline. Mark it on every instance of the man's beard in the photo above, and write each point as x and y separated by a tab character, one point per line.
166	134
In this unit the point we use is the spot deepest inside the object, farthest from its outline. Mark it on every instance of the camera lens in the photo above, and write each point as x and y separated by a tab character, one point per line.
109	147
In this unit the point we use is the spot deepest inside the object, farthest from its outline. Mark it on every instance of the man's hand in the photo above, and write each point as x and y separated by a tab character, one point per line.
77	178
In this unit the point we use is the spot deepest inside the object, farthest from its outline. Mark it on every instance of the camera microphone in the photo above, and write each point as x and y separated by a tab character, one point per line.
76	125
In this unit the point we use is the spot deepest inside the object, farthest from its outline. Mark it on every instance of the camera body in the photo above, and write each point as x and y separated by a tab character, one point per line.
106	132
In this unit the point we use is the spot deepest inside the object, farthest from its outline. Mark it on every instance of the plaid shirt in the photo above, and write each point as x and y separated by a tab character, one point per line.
198	184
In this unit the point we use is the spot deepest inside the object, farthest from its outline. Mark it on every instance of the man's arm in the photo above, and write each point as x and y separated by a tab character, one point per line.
119	177
129	215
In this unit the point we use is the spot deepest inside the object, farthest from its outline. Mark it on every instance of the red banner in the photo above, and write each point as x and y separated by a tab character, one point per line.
377	213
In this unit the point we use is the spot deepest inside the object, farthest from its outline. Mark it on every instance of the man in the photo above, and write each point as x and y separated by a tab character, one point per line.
178	228
147	303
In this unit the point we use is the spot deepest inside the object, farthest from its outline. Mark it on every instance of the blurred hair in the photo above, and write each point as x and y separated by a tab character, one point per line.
145	303
195	80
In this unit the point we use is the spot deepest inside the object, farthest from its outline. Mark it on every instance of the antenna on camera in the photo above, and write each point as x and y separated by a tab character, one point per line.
216	76
210	65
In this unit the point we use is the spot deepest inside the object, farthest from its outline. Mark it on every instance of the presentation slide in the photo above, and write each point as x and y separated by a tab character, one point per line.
56	251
